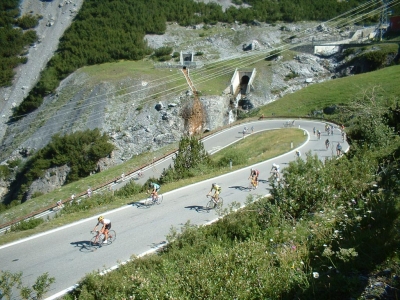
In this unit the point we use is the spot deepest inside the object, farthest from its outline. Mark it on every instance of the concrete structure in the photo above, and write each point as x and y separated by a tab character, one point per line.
187	60
241	82
327	48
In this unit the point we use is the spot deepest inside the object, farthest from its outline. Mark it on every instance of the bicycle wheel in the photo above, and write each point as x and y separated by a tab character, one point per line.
251	186
95	242
159	199
220	203
210	205
112	235
148	202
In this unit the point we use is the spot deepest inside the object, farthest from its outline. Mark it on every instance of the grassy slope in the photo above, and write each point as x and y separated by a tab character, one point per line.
342	90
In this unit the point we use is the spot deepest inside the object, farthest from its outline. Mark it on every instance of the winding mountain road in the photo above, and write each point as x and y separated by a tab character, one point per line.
63	252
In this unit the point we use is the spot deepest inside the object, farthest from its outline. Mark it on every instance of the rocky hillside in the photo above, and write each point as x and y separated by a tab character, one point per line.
141	117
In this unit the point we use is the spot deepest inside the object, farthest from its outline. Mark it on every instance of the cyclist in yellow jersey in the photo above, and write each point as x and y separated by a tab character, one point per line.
217	190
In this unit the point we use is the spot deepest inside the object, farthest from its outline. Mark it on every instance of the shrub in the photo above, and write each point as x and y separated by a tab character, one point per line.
4	172
349	51
237	158
36	194
26	225
129	189
291	75
14	163
27	21
10	282
163	51
164	58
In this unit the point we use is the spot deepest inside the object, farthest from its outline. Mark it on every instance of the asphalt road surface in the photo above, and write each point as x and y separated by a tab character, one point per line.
64	253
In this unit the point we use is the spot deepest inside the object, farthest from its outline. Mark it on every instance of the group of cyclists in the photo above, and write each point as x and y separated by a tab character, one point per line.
106	223
254	176
275	171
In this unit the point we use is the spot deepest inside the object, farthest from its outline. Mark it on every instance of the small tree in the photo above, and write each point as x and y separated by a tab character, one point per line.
9	281
191	155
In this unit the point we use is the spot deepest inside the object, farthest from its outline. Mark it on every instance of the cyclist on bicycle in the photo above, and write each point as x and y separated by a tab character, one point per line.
106	226
154	193
275	170
327	143
254	173
217	191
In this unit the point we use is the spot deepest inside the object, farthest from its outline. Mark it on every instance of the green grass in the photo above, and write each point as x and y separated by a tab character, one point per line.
338	91
282	139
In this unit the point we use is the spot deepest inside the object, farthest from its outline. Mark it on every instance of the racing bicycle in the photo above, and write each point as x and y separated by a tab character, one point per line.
153	200
252	184
98	239
275	176
213	204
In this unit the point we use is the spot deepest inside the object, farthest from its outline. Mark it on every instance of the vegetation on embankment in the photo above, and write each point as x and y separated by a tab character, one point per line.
79	151
108	31
329	228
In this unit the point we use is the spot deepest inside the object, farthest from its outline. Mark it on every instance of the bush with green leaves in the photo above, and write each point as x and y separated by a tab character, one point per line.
129	189
27	21
80	151
85	204
26	224
9	282
163	51
4	172
191	159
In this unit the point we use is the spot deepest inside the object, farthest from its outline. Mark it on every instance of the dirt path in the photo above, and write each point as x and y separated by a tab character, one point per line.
57	16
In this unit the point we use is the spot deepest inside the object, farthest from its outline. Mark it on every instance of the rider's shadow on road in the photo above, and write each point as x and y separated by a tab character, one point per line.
239	187
139	204
197	208
84	246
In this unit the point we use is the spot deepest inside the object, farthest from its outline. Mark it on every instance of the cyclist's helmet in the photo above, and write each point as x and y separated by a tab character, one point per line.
251	169
100	218
274	165
214	184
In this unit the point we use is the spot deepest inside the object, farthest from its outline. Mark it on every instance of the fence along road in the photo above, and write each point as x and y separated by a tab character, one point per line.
63	254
